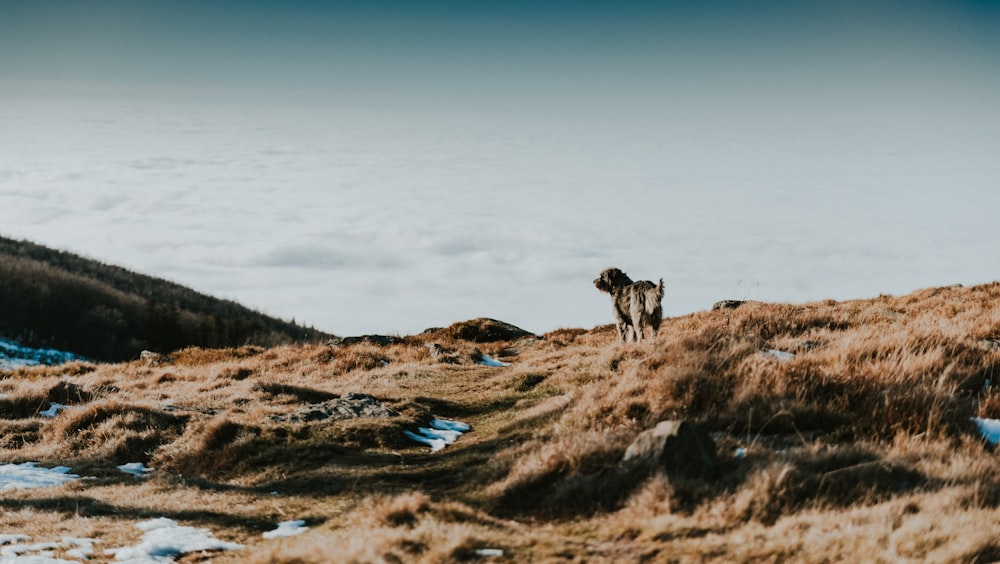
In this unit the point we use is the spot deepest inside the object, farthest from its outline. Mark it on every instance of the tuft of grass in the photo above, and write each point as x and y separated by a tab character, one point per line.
215	448
401	511
111	430
546	476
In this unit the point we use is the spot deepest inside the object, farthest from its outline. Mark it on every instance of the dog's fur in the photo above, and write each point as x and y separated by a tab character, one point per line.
637	304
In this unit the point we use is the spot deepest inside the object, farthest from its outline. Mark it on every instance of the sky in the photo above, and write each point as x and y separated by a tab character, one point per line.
385	167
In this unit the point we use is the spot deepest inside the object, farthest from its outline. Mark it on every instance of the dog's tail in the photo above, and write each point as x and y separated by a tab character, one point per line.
654	298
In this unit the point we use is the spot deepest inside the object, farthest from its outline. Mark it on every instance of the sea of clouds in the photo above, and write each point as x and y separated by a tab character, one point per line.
392	221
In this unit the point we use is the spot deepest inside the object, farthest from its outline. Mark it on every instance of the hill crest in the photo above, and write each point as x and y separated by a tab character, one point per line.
57	299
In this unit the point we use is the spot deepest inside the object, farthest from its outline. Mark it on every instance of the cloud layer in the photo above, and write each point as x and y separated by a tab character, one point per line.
415	171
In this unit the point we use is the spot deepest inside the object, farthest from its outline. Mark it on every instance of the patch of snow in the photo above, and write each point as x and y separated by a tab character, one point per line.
15	551
163	539
449	425
780	355
287	529
989	429
15	355
440	434
13	363
488	360
84	547
134	468
45	552
489	552
53	410
435	443
28	475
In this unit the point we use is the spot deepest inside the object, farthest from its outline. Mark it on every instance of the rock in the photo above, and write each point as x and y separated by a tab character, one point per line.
378	340
728	304
350	406
153	358
989	344
682	449
436	350
442	354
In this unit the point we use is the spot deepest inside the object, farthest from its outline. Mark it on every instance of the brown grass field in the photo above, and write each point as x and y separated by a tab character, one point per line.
860	448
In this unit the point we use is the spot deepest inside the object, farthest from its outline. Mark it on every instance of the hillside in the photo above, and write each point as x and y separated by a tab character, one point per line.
57	299
842	431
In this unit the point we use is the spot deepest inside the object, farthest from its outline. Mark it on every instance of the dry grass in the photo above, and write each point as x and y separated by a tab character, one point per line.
856	446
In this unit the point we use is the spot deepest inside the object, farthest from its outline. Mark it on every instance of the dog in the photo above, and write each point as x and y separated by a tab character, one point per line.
637	304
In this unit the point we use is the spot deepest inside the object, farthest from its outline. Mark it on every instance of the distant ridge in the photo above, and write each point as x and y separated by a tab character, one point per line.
51	298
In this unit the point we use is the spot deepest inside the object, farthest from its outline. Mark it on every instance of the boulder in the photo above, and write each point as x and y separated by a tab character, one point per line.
152	358
728	304
680	448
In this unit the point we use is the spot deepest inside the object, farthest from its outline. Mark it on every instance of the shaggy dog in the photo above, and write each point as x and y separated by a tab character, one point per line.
637	304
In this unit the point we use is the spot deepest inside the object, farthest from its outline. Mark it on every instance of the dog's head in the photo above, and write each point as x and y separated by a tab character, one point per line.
610	279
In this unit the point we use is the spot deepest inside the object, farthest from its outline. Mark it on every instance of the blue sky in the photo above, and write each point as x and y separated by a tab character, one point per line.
387	166
486	49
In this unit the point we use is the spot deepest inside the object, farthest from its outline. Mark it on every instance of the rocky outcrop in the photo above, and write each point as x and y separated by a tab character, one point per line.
377	340
350	406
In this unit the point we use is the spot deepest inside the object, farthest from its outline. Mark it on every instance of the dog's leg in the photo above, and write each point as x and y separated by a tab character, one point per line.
636	316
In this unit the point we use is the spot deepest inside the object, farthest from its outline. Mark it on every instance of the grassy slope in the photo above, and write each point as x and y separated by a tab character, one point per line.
861	446
58	299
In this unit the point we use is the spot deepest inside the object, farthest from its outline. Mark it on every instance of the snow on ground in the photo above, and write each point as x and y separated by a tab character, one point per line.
490	361
778	354
989	429
287	529
441	433
14	355
135	468
15	550
53	410
28	475
163	539
448	425
84	547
